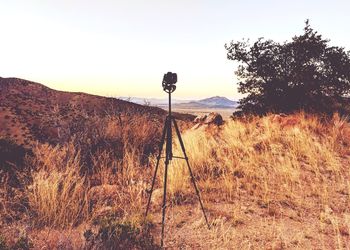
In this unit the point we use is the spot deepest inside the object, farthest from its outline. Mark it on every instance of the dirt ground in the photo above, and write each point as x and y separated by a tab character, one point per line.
247	225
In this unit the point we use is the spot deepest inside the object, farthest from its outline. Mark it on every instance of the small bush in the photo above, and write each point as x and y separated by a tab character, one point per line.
23	243
10	153
114	234
11	160
3	245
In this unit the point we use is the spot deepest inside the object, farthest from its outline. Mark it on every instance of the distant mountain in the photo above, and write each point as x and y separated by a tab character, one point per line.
215	102
218	101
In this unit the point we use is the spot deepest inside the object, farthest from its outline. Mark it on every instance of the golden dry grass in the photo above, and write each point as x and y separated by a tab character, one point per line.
286	168
62	194
270	157
267	182
58	193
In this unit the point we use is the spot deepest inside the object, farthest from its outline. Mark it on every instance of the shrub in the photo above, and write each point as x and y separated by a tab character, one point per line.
23	243
114	234
11	160
3	245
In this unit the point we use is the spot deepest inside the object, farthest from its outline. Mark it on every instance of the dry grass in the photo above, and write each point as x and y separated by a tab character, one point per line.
285	168
272	158
272	182
63	195
58	193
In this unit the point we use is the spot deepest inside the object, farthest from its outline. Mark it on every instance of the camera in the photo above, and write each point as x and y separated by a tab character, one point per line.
169	81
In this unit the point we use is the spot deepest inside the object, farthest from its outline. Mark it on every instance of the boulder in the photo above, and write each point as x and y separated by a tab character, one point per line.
214	118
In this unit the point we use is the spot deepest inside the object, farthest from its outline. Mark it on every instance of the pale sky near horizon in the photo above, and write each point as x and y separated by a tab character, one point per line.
123	48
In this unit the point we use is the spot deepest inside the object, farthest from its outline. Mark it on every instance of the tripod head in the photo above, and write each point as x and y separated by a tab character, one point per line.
169	81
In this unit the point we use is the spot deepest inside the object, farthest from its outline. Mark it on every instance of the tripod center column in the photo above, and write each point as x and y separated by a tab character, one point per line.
169	132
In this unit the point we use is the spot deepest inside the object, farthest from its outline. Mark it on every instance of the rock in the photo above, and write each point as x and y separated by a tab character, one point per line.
214	118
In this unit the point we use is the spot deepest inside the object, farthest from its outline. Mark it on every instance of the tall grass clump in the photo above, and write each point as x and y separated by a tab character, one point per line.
99	169
58	193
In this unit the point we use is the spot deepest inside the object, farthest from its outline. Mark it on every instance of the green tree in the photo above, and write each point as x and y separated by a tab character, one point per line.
303	74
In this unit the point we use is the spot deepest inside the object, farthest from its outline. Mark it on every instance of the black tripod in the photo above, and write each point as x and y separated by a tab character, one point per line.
169	87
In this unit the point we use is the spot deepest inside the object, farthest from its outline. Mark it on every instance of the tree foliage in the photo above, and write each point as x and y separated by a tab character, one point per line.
303	74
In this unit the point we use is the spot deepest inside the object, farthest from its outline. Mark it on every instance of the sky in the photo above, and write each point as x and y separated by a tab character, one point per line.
123	48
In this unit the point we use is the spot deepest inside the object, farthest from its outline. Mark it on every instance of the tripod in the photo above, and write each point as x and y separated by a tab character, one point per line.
167	137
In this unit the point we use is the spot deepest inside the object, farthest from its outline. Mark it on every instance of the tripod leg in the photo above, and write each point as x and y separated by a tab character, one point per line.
189	169
165	184
161	145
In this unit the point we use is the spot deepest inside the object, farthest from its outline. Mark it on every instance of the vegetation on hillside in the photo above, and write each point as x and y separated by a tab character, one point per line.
32	112
280	181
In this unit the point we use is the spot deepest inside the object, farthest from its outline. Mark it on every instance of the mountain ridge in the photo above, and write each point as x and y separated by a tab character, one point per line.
214	102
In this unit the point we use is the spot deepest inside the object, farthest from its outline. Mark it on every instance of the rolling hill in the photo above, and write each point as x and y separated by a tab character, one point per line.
33	112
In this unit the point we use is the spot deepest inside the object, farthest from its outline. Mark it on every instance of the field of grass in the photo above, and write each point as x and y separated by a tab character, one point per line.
273	182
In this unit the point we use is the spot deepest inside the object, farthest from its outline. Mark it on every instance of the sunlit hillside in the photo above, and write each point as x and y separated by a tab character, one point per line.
267	182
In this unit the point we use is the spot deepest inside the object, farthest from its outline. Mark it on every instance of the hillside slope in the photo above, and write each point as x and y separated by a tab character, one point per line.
269	182
31	111
272	182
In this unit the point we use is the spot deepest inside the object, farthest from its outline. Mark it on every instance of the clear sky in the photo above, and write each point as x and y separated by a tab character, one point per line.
122	48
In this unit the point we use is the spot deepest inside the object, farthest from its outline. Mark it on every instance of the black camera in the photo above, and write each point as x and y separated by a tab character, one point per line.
169	81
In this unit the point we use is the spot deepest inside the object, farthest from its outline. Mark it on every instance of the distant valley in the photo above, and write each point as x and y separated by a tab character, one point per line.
218	104
214	102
